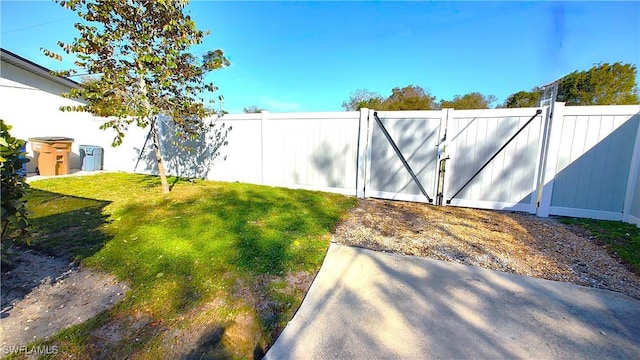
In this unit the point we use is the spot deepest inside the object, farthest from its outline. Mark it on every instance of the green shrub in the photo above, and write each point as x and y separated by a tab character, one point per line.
14	211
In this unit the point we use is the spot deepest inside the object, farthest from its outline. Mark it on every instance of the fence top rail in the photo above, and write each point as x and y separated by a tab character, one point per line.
490	113
315	115
338	115
602	110
409	114
253	116
428	114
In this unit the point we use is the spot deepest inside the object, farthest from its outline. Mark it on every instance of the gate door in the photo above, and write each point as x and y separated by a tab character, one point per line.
416	135
494	155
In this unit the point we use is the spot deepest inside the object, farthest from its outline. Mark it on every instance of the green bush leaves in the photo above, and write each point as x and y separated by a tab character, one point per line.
14	211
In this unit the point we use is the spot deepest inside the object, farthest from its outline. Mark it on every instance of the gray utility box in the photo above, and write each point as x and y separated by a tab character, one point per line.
91	157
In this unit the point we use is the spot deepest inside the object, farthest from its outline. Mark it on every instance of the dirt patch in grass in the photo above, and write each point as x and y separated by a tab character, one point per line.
511	242
269	301
621	239
43	294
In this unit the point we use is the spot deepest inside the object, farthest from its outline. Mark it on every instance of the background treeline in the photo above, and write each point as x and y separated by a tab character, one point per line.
603	84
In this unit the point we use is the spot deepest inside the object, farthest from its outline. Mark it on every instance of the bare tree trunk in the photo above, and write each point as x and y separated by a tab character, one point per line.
156	150
156	139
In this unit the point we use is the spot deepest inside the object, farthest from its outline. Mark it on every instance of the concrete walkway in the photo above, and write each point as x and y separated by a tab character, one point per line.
372	305
73	172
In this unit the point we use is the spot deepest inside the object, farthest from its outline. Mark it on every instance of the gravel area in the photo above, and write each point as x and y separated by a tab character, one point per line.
500	240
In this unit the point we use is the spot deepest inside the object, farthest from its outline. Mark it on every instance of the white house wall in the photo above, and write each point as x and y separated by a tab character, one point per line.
30	104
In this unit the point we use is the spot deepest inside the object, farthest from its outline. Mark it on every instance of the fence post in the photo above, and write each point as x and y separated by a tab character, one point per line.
445	115
541	156
264	116
634	172
551	159
363	144
367	162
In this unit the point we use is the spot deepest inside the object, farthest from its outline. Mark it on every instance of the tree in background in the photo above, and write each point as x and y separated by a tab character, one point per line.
523	99
473	100
414	97
138	52
253	109
603	84
363	98
410	97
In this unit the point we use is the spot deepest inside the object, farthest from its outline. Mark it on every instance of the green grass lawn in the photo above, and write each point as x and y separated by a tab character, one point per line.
620	238
215	260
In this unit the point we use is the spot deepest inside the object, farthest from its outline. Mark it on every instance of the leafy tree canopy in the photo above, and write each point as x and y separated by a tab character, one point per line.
252	109
602	84
473	100
362	98
410	97
137	52
523	99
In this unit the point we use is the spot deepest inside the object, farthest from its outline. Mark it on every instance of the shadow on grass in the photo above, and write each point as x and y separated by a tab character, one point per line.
66	226
63	228
153	181
236	234
267	226
211	346
149	181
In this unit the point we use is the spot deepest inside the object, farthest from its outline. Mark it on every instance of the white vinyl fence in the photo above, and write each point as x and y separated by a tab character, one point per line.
316	151
592	163
580	161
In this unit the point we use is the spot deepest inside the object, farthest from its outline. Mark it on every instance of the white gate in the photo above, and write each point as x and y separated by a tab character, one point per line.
489	157
416	135
494	158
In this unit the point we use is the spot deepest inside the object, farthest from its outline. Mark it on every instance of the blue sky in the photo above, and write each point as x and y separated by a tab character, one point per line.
309	56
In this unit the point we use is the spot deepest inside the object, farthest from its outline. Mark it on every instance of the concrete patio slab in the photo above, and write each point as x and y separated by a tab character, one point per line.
72	173
373	305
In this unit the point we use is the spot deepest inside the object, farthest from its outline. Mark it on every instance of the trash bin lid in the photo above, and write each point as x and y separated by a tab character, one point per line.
51	139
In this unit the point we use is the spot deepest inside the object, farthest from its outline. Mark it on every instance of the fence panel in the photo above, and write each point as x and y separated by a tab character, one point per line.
633	208
508	181
241	158
592	159
312	150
